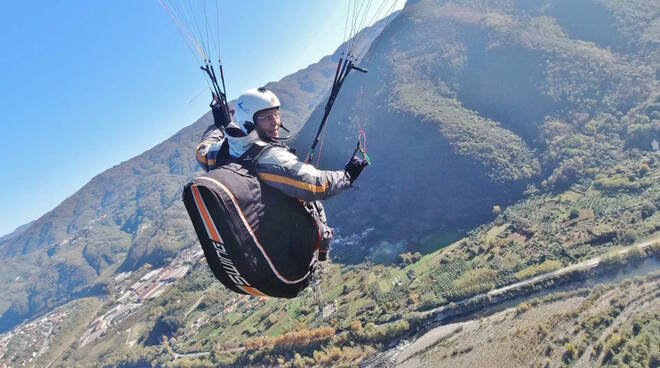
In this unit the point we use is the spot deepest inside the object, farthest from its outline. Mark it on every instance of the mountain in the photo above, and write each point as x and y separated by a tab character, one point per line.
128	215
462	107
18	231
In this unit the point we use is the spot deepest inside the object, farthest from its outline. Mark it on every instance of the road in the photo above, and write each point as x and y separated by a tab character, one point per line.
581	266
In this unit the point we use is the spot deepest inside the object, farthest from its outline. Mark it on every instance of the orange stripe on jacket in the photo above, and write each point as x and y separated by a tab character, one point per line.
294	183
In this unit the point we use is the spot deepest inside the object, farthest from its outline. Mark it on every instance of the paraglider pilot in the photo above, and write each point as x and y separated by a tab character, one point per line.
258	122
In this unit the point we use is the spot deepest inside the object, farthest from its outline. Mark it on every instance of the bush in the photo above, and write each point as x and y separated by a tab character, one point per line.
636	348
647	209
299	338
612	345
531	271
335	356
356	326
473	282
374	333
301	362
570	352
405	259
575	213
628	236
641	133
523	307
617	182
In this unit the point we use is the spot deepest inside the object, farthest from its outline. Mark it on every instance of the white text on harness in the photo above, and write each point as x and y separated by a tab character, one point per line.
228	265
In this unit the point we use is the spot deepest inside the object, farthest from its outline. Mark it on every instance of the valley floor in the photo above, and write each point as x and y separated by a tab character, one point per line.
609	325
585	323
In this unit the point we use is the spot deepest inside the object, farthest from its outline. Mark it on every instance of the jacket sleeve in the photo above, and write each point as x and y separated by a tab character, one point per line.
207	150
281	169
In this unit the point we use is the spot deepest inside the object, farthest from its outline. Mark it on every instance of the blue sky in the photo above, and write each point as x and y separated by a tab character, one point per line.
85	85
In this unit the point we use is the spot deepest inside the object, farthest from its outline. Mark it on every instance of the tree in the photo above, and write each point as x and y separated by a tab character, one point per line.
570	352
641	132
406	259
647	209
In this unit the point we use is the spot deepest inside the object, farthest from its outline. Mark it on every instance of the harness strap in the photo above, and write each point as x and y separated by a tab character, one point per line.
251	156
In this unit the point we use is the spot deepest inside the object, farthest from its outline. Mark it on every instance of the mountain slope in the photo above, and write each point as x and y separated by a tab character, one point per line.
128	215
461	107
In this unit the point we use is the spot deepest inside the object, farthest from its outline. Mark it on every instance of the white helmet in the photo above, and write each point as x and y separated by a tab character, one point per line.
249	103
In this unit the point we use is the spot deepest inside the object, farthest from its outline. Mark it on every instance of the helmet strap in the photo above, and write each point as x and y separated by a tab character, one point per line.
266	138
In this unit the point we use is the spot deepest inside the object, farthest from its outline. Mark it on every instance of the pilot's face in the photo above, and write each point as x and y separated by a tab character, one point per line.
268	122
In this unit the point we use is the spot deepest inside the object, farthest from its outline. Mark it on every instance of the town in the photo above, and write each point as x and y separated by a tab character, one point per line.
22	345
26	342
133	294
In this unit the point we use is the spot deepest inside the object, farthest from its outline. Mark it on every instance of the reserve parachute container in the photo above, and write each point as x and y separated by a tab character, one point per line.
256	239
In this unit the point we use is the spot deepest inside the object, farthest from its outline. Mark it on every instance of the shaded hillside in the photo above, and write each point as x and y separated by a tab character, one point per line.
462	106
128	215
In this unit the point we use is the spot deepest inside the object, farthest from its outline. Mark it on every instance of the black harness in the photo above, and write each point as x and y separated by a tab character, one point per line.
256	239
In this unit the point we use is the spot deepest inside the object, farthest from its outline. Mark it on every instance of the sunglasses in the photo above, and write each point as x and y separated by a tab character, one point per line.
270	116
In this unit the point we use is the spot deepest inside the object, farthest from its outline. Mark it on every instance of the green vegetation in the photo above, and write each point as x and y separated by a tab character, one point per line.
570	353
637	347
473	282
609	325
372	306
531	271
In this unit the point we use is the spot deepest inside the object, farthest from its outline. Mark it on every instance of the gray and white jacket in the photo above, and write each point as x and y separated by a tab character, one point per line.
277	166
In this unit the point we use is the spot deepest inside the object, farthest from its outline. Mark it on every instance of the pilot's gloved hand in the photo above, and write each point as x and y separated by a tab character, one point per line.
220	115
354	167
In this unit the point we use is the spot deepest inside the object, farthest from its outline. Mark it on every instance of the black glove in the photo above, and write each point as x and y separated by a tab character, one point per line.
354	167
220	115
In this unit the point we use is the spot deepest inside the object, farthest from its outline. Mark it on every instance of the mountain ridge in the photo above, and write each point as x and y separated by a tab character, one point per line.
129	214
